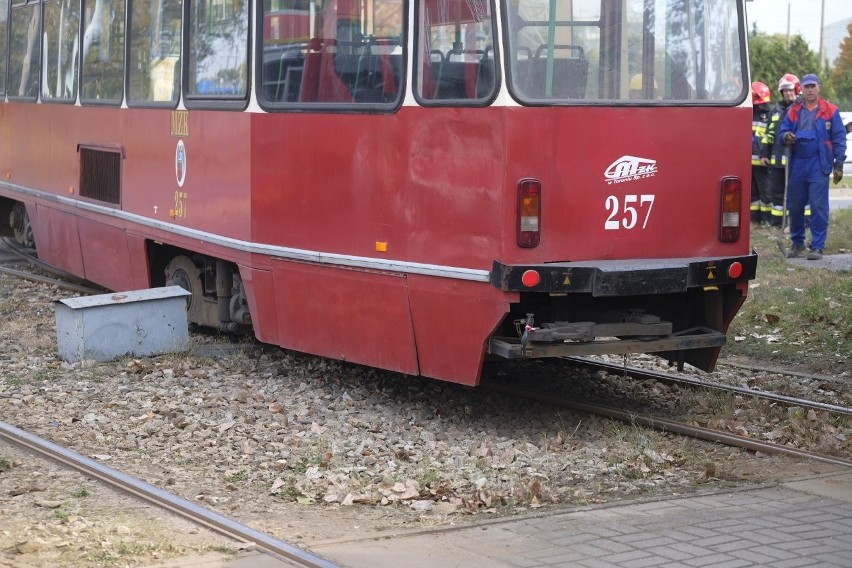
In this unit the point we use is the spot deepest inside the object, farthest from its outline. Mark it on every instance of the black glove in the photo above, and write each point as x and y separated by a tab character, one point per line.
789	137
838	173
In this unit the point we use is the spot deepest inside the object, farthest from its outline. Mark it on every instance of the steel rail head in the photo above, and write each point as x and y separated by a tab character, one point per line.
186	509
669	425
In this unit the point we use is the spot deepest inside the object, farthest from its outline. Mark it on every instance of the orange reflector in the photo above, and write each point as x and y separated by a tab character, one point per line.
530	278
381	247
735	270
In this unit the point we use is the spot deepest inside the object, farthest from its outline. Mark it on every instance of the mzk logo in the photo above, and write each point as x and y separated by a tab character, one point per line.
630	168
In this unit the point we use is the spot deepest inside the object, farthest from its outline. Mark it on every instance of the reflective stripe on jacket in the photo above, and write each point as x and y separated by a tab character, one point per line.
773	146
759	124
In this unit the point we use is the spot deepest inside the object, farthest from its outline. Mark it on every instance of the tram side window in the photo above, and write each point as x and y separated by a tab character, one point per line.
61	46
24	51
154	70
341	52
218	48
4	37
455	51
103	51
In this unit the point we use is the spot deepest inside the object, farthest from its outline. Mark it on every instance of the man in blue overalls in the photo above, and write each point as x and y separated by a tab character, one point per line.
815	132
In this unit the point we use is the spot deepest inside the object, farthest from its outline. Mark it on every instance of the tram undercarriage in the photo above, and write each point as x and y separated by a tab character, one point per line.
608	331
218	297
587	308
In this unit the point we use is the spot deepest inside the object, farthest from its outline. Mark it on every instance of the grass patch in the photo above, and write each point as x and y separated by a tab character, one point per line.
797	315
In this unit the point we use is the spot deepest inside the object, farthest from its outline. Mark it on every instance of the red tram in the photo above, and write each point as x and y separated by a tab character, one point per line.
408	185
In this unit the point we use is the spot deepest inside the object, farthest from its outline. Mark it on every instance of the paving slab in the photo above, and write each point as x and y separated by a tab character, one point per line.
745	527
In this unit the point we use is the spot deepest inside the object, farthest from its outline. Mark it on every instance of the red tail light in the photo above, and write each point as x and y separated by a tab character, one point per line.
729	213
529	213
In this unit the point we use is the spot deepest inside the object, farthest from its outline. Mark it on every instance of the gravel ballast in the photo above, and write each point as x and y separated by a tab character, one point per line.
302	447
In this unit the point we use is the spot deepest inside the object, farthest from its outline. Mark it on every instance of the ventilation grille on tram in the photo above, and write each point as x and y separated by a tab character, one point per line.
100	174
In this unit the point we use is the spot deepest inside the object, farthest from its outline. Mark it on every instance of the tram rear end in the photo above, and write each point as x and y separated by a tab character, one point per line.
629	174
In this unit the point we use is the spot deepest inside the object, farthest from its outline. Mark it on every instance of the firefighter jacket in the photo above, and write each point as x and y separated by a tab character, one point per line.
829	130
759	123
773	145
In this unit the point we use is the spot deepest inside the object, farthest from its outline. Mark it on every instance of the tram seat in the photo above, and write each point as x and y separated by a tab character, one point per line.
282	74
431	72
569	74
462	79
320	81
485	78
370	77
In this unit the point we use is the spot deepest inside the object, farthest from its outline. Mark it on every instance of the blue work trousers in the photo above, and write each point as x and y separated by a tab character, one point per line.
801	193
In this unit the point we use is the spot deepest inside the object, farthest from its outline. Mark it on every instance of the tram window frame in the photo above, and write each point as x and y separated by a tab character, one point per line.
215	101
387	49
457	50
140	90
74	83
6	11
120	50
18	7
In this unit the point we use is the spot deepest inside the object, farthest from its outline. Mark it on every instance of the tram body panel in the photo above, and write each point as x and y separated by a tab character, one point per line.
345	313
427	186
57	239
585	216
452	321
106	256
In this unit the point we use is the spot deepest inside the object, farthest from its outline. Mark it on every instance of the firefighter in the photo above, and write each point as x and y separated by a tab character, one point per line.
774	153
761	201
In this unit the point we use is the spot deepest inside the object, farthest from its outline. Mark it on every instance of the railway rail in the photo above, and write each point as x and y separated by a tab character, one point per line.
163	499
644	374
61	279
669	425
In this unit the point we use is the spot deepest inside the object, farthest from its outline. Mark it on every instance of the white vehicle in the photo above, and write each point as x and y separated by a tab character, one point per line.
847	120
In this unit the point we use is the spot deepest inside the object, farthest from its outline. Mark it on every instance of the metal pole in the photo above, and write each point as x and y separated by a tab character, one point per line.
821	31
788	25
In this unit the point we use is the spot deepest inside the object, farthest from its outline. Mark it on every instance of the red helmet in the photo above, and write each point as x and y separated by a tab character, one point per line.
790	81
759	93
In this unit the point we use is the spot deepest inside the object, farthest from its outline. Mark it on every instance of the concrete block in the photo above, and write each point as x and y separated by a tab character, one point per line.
109	326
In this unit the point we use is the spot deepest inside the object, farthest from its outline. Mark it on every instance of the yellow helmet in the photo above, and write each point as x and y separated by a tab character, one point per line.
636	82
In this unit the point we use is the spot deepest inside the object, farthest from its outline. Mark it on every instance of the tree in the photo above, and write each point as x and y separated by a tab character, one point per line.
841	77
770	58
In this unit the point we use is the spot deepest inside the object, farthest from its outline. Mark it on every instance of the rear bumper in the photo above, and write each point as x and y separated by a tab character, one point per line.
625	277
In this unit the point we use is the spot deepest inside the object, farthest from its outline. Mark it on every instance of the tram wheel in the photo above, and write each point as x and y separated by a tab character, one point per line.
20	222
181	271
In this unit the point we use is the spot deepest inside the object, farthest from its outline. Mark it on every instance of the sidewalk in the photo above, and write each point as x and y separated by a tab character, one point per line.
801	523
790	525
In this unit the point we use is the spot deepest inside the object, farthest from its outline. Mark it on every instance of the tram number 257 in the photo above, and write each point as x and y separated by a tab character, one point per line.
627	213
180	204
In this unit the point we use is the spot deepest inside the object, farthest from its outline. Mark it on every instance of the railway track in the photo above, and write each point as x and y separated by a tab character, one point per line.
634	418
645	374
683	428
60	279
164	500
290	554
666	425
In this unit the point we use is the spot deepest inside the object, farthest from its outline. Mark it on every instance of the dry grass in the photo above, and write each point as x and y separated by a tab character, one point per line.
797	316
